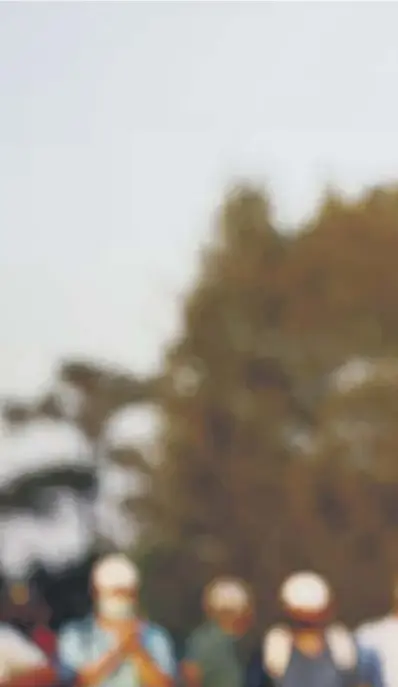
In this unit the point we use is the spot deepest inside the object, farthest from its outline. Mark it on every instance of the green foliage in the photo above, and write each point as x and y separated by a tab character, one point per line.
268	322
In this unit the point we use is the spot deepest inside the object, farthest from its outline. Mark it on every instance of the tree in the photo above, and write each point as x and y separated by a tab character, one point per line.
228	399
88	398
341	277
247	383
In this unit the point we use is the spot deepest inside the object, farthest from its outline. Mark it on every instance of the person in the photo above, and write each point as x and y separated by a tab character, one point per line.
381	636
22	606
211	658
310	648
115	647
22	663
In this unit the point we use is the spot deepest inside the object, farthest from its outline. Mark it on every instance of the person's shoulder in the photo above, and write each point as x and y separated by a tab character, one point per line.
158	637
343	646
375	629
10	636
75	628
199	642
17	647
201	634
159	643
277	649
7	630
156	631
200	630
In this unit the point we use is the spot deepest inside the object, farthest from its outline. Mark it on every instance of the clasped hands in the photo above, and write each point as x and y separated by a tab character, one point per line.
129	639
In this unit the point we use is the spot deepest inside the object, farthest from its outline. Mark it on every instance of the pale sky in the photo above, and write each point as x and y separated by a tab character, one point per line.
120	126
65	533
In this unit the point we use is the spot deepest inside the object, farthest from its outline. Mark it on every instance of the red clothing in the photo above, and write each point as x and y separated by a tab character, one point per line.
45	639
38	677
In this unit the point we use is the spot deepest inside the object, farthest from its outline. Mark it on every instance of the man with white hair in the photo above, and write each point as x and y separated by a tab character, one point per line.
381	636
211	658
116	648
310	648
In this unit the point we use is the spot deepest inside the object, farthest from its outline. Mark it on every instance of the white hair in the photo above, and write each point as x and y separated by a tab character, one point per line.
306	591
227	595
115	571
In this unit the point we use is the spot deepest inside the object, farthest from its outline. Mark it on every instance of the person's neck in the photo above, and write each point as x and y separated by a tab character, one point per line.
310	644
227	629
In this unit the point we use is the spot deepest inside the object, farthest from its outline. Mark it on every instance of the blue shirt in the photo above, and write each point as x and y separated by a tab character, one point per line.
85	642
370	669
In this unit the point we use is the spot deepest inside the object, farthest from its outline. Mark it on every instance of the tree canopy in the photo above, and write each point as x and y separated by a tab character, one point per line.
267	466
278	398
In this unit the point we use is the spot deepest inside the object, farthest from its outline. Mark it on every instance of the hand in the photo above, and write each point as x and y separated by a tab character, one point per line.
131	640
134	643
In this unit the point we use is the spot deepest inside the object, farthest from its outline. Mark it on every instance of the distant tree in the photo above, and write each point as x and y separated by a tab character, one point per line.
254	478
88	397
228	398
340	275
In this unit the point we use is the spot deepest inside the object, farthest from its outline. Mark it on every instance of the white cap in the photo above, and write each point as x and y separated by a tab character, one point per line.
228	595
115	572
306	591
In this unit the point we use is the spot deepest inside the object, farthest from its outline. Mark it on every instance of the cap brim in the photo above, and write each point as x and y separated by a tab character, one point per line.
311	616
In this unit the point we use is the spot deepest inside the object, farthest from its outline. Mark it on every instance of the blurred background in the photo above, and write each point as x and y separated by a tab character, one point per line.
199	298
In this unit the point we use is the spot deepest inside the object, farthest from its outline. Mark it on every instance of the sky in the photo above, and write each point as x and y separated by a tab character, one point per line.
65	532
121	126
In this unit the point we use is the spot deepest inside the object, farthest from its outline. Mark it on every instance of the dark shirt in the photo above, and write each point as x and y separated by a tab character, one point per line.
319	672
312	672
256	675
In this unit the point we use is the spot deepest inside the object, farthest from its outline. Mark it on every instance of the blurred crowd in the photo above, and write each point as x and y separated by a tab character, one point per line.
115	646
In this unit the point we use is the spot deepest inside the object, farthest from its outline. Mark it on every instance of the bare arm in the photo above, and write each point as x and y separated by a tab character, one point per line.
191	674
151	675
95	673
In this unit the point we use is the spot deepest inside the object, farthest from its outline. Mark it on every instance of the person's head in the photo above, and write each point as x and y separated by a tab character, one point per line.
19	593
23	604
307	603
115	581
228	601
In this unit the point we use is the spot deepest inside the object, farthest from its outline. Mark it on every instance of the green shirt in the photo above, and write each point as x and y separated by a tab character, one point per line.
214	652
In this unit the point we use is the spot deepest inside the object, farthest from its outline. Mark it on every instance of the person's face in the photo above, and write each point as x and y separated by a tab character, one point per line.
116	604
19	595
309	640
236	623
